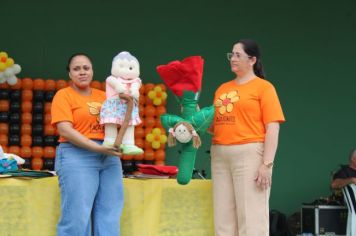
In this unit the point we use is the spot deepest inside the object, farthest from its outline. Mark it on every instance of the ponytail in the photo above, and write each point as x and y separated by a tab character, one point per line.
258	69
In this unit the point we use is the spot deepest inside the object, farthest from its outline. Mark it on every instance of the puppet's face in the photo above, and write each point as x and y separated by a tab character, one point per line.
182	134
125	69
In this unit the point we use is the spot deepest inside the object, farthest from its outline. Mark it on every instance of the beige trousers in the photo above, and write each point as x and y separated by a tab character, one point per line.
240	207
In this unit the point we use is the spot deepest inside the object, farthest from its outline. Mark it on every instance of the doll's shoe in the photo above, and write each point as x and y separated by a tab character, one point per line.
130	149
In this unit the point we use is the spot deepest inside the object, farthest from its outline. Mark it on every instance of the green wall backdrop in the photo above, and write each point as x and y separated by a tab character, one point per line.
308	47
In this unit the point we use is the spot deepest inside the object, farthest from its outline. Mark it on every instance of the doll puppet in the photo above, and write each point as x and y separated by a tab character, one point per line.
124	80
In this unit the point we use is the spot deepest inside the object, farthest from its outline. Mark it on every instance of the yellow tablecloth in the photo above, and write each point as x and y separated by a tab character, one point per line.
155	207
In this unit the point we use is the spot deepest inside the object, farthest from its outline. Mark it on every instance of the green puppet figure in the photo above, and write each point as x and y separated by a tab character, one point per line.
184	79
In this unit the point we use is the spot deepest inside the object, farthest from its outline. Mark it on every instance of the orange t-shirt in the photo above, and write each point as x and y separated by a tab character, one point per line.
82	111
242	111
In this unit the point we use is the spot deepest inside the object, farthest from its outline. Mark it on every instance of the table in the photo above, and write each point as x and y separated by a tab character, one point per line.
153	207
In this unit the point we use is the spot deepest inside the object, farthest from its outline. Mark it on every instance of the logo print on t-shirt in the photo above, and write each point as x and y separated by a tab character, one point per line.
94	109
225	103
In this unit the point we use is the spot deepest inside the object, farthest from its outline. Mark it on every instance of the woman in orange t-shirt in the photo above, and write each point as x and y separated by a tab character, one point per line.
245	137
90	175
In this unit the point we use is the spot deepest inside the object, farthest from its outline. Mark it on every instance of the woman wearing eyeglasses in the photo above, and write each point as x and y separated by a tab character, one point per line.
245	139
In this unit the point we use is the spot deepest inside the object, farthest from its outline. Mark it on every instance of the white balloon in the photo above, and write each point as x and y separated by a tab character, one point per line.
8	72
16	68
12	80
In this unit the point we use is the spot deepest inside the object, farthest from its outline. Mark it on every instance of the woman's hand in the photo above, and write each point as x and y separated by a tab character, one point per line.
264	177
110	151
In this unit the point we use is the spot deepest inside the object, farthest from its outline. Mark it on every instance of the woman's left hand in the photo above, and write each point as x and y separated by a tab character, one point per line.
264	177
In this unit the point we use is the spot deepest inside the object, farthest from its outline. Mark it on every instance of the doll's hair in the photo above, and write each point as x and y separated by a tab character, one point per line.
171	140
125	55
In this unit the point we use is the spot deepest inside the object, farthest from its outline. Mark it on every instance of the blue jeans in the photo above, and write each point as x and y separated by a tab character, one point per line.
91	192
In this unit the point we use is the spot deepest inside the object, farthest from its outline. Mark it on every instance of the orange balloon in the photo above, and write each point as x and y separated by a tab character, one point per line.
61	84
25	152
37	152
160	163
95	84
142	90
14	150
26	129
47	118
148	87
27	83
49	130
27	95
5	149
141	110
149	111
47	107
37	163
50	85
4	85
149	155
4	140
26	140
103	86
139	132
4	105
150	122
147	131
139	157
38	84
147	100
159	123
17	85
142	124
4	128
127	157
160	155
26	106
49	152
160	110
147	144
139	142
26	118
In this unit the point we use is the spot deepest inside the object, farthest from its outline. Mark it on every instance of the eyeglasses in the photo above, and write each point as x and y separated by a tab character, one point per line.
238	56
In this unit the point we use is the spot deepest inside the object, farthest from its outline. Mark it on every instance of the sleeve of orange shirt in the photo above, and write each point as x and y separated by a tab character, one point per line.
271	107
61	109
